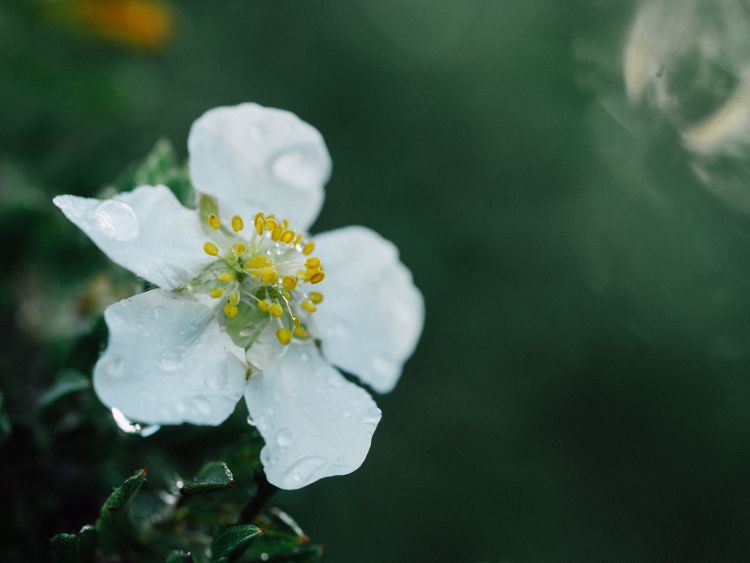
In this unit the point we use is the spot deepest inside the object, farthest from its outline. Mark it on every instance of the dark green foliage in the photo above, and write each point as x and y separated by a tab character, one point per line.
114	524
232	542
214	476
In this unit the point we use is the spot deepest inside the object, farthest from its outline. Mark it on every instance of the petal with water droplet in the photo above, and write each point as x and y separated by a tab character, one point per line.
253	158
373	313
146	231
149	364
313	427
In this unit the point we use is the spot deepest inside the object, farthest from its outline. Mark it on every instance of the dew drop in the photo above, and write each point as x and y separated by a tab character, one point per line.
158	311
114	367
284	437
116	220
250	420
171	360
202	405
302	471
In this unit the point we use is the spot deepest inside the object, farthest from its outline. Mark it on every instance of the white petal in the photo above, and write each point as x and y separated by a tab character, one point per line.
373	313
253	158
315	423
266	350
146	231
168	361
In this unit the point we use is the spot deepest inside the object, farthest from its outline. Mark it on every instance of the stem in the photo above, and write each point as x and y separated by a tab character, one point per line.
263	493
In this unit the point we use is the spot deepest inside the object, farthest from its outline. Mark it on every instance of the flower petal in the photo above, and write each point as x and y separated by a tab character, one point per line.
315	423
146	231
168	361
373	313
253	158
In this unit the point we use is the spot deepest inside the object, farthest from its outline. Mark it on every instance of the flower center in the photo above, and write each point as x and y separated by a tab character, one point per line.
264	275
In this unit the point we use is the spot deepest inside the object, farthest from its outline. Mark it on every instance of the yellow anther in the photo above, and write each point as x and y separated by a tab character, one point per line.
287	295
211	249
284	335
271	223
213	221
225	277
284	224
264	305
276	310
237	224
309	247
300	332
298	239
287	237
216	292
316	297
231	310
257	263
259	215
317	277
276	234
234	298
313	262
309	307
239	248
289	282
260	224
269	276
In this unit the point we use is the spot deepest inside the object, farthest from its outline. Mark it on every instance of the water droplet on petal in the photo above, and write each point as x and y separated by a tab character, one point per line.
158	311
117	220
250	420
114	367
202	405
171	360
302	471
284	437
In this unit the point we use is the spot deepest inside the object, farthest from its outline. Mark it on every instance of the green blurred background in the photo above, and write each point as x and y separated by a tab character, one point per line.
581	390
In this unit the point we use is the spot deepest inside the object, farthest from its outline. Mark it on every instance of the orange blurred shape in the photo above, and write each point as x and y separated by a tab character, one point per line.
136	23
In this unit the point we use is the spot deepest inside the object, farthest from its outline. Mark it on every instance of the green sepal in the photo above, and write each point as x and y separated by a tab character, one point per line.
247	326
114	524
161	166
213	476
230	543
67	383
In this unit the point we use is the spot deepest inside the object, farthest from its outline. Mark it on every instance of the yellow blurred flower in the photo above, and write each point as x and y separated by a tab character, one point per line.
136	23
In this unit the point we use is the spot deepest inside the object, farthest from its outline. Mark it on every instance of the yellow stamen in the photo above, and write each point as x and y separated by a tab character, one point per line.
216	292
309	307
313	262
269	276
318	277
289	282
287	237
260	224
211	249
309	247
238	248
264	305
234	298
231	310
276	234
271	224
276	310
226	277
298	239
300	332
237	224
257	263
213	221
316	297
284	335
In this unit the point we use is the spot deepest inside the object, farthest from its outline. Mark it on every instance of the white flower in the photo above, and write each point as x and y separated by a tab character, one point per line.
240	307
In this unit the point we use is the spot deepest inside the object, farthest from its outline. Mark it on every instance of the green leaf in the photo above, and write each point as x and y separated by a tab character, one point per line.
65	548
75	548
277	546
232	542
114	523
5	428
247	326
214	476
179	556
67	383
